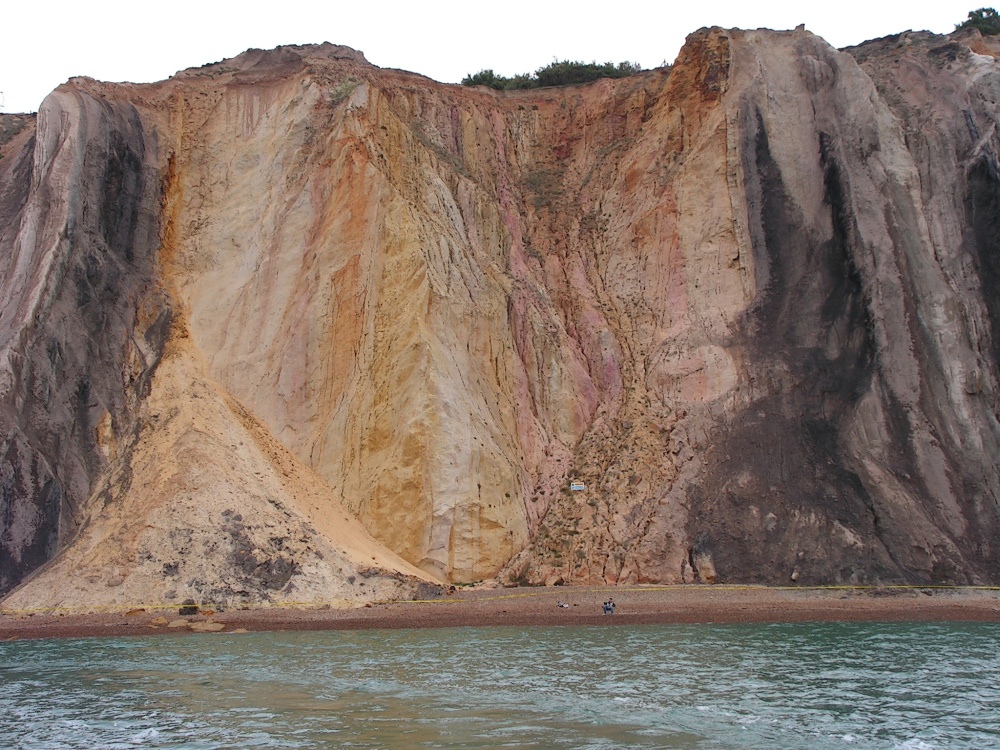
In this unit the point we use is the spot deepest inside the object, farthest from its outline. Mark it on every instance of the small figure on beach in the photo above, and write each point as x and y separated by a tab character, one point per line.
562	604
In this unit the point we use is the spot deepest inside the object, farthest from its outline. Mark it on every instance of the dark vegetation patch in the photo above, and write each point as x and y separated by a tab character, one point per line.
985	20
558	73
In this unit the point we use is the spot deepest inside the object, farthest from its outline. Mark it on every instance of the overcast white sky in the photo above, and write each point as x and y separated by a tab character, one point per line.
46	43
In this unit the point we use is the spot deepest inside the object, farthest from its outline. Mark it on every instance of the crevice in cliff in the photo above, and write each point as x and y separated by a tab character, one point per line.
983	216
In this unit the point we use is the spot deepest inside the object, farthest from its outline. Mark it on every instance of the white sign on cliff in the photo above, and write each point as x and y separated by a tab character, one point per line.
577	486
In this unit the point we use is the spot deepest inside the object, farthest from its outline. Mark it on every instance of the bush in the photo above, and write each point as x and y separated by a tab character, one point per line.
984	19
558	73
568	73
485	78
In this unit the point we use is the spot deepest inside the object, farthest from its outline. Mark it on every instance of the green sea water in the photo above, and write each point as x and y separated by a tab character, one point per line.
815	686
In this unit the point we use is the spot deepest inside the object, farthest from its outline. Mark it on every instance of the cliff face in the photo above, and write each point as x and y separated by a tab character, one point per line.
749	300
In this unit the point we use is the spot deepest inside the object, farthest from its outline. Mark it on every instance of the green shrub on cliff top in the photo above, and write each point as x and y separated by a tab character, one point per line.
558	73
485	78
567	73
984	19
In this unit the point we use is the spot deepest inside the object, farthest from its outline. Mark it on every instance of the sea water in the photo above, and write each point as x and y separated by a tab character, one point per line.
906	686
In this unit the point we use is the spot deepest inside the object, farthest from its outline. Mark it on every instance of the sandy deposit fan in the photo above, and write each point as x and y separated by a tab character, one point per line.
202	503
150	484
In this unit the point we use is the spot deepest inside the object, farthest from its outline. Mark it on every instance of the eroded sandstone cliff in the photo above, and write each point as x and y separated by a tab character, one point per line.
291	321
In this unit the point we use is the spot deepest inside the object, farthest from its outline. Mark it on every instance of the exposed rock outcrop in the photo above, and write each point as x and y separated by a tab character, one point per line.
750	300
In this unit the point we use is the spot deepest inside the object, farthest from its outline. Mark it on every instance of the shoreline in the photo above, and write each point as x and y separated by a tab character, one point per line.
539	607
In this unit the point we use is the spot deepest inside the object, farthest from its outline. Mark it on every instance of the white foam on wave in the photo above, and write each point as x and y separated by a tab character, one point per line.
718	711
146	735
915	744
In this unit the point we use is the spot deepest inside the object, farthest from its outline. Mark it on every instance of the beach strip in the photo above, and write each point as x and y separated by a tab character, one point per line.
554	606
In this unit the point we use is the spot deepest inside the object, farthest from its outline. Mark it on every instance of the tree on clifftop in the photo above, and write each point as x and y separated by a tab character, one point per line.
985	19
